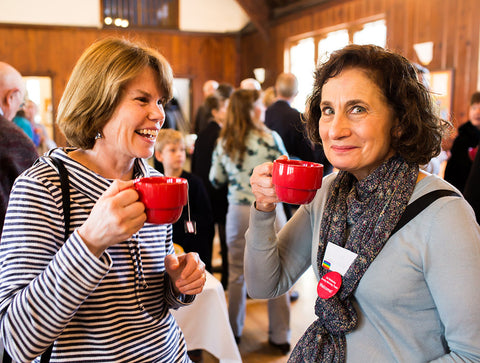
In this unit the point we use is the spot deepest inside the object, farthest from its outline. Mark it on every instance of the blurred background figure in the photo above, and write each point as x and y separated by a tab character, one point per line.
287	121
437	164
245	142
269	96
17	151
202	116
459	163
202	161
41	139
174	118
251	84
170	151
472	186
21	121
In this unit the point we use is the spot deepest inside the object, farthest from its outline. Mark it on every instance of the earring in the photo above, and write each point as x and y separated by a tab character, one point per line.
98	135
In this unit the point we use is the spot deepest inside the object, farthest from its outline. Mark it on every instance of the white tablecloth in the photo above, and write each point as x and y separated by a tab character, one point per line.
205	323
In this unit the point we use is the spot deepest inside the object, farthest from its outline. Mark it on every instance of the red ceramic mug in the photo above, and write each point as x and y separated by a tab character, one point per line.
163	197
296	181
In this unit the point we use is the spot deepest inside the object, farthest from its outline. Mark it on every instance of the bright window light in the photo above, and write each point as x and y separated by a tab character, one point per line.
302	60
372	33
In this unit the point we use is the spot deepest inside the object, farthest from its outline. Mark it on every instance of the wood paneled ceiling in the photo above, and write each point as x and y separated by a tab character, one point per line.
262	12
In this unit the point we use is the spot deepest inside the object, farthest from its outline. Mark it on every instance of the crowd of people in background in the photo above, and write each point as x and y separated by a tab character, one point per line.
237	129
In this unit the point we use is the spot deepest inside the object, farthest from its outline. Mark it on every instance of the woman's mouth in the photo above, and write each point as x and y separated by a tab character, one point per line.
150	134
341	149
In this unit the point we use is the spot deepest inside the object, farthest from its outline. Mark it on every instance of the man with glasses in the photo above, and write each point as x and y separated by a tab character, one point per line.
17	151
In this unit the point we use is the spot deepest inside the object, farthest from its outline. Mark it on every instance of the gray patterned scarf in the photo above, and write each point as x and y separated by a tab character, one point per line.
370	209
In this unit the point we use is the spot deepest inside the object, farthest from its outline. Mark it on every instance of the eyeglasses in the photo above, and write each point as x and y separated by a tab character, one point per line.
23	99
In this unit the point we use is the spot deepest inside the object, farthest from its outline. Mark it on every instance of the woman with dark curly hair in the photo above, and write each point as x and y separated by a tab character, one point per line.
389	289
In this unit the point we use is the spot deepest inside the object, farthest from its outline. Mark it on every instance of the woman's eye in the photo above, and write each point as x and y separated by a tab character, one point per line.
327	111
142	99
162	102
358	109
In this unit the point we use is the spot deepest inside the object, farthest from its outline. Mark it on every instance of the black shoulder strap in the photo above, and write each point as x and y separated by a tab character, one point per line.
65	186
420	204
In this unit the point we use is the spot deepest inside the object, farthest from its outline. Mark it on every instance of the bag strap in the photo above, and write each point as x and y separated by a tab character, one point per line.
414	208
65	186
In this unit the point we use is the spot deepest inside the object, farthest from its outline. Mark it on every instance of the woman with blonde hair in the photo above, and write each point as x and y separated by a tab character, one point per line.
244	142
101	289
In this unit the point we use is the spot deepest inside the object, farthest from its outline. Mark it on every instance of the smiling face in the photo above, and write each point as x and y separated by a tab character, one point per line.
355	123
131	131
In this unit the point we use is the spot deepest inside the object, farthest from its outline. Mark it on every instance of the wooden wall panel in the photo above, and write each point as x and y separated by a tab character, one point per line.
53	51
453	26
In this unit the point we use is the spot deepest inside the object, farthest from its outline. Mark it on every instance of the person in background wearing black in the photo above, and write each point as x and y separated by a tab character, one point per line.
287	121
202	160
459	164
472	189
17	151
203	115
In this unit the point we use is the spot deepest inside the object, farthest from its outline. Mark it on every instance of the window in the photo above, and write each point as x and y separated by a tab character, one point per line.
333	41
302	58
141	13
305	53
372	33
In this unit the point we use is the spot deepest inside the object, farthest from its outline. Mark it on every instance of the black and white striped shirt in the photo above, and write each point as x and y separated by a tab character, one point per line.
112	309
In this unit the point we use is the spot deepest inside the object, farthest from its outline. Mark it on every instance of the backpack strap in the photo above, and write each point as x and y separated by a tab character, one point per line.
65	186
414	208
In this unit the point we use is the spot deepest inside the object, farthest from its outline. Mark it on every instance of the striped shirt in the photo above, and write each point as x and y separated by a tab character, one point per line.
109	309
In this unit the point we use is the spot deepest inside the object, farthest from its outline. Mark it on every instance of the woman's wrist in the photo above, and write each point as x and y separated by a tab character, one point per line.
264	207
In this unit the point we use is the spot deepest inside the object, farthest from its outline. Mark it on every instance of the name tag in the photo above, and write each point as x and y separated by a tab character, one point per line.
337	258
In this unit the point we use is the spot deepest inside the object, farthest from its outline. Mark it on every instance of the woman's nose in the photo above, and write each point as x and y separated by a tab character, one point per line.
156	113
339	127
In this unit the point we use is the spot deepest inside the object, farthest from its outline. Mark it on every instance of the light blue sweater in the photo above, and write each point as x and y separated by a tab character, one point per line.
419	301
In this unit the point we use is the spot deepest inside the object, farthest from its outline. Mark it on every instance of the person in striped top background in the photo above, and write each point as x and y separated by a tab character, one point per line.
103	294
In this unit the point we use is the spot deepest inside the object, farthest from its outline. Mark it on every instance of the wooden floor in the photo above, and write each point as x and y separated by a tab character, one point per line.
254	347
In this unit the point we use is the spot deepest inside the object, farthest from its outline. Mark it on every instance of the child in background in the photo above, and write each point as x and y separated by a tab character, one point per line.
170	151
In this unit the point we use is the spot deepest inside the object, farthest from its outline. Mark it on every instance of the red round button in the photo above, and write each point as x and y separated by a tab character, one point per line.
329	285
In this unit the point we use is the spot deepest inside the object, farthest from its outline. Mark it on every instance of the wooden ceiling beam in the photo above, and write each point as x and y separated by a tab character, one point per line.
296	6
259	14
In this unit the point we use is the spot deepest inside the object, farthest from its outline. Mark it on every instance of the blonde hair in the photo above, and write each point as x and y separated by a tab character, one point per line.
168	136
96	84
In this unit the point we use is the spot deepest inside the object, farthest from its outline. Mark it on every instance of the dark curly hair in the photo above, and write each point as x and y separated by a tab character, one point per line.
417	132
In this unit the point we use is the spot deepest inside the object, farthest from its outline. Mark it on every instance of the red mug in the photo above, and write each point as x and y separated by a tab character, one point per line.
163	197
296	181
